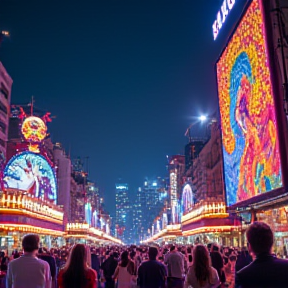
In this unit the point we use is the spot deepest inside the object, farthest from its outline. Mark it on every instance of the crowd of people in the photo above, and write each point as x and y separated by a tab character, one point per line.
171	266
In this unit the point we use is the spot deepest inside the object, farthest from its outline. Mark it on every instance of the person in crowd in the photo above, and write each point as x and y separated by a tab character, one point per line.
108	267
175	263
4	261
217	262
151	273
15	254
45	255
28	270
266	270
95	262
190	261
125	271
201	274
138	258
230	268
243	259
76	273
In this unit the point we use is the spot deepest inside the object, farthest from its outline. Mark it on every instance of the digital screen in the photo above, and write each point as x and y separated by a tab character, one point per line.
33	174
187	198
249	132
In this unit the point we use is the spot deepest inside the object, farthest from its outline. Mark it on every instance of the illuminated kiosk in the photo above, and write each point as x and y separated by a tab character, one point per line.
254	126
28	198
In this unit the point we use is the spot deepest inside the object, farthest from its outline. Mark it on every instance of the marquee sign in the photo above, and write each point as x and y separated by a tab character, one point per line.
226	7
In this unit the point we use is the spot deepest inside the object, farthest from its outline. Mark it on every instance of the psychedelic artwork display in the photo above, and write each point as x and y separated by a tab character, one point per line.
33	174
252	162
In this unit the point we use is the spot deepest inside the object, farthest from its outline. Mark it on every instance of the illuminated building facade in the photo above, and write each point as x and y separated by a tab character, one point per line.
176	171
207	173
63	164
30	189
5	98
122	209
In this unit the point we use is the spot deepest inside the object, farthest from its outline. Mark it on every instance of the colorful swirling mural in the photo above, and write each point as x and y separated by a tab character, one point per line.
249	131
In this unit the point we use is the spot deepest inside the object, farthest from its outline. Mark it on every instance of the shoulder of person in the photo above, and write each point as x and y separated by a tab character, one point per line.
213	270
43	262
91	273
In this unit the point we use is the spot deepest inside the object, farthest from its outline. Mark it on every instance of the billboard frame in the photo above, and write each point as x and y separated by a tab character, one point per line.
277	196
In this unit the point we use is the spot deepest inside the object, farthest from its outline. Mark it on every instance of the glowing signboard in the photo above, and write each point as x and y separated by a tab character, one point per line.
252	163
222	16
187	197
34	129
31	173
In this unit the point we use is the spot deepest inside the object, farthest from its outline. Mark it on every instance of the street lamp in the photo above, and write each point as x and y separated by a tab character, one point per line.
202	119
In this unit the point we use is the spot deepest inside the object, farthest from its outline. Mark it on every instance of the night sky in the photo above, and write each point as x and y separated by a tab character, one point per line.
123	78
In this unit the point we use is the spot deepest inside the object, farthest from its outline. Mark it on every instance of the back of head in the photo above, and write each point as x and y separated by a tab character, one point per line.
30	243
75	268
153	252
215	248
201	262
124	259
172	248
132	254
260	238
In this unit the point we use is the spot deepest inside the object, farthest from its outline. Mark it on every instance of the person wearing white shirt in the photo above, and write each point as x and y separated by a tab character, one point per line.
28	271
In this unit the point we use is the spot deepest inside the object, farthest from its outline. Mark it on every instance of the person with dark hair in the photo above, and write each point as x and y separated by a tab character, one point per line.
218	262
125	271
138	258
28	270
45	255
76	273
201	274
266	270
176	268
95	262
151	273
108	267
243	259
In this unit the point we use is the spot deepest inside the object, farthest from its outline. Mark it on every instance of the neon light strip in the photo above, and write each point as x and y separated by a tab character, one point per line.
30	228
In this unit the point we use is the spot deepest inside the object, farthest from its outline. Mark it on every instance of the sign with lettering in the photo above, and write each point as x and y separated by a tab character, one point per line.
221	16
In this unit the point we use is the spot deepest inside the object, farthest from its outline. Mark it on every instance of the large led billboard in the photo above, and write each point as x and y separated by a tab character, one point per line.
33	174
252	163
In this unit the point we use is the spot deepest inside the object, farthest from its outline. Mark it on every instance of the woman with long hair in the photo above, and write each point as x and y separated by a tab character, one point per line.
125	272
201	274
76	273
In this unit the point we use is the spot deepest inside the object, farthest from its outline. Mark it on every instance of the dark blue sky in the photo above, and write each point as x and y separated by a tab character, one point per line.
123	77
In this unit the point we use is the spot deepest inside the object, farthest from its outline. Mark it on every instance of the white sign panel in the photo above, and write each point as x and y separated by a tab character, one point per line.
221	16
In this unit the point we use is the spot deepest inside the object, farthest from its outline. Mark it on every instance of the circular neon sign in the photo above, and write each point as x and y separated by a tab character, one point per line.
34	129
33	174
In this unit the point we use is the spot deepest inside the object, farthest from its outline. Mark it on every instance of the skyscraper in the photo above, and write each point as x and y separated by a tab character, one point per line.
151	199
122	210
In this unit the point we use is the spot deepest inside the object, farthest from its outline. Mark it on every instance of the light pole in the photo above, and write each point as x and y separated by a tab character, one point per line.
200	119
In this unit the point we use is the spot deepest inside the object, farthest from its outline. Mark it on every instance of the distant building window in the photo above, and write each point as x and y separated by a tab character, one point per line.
4	91
3	108
3	127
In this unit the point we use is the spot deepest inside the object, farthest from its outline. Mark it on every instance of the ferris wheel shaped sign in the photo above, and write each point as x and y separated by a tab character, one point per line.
34	129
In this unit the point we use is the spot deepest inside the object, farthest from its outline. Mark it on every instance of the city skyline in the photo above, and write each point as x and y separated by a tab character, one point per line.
118	105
